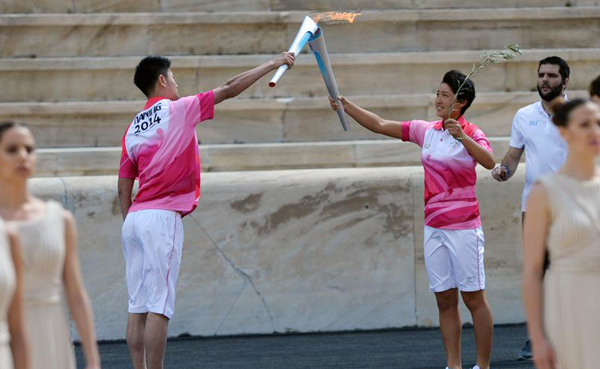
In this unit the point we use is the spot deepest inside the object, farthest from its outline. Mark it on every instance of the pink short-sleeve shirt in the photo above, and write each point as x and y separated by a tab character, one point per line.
160	149
450	176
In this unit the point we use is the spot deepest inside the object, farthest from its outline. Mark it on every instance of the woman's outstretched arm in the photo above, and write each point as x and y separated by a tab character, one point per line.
369	120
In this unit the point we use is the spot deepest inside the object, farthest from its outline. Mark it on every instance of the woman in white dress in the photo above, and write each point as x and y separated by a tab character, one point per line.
563	216
13	343
48	238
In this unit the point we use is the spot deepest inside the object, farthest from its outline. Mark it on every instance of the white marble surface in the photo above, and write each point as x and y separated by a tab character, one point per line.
85	6
96	123
360	74
264	32
294	251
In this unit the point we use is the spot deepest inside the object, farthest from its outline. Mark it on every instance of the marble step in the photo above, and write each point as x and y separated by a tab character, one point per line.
81	124
121	34
110	78
242	157
105	6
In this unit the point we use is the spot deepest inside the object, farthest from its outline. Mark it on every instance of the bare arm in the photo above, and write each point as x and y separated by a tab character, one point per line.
18	336
125	191
509	164
369	120
77	297
238	84
482	155
535	233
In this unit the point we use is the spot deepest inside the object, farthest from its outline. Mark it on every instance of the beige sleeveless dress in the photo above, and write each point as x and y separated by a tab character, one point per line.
7	290
43	252
572	284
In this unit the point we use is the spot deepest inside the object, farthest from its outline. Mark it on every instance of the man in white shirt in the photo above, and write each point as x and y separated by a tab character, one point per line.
534	132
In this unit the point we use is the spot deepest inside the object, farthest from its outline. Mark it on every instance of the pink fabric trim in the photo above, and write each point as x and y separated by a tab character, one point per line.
207	105
181	203
478	264
153	101
469	224
405	131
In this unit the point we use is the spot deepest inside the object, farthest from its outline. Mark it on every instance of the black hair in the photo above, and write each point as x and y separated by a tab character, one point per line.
5	126
595	87
562	111
147	72
563	67
454	79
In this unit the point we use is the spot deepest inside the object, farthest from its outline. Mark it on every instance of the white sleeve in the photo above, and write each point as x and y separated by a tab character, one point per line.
516	135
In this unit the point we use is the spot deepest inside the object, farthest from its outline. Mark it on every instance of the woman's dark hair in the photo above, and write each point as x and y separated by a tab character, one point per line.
147	72
5	126
454	79
562	110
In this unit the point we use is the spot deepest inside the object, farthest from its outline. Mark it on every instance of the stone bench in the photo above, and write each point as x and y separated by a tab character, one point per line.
110	78
222	158
79	124
62	35
91	6
296	251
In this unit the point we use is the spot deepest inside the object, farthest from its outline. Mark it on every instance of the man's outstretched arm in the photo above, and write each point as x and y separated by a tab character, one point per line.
238	84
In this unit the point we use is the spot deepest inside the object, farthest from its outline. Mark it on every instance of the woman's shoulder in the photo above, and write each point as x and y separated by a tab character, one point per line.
56	210
54	205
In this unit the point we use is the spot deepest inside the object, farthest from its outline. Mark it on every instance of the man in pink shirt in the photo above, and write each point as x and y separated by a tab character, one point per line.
453	236
160	149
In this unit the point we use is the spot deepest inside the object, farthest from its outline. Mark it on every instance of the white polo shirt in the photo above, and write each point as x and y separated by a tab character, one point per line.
545	150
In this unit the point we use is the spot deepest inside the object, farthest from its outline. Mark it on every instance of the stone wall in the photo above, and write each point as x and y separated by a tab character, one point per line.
295	251
85	6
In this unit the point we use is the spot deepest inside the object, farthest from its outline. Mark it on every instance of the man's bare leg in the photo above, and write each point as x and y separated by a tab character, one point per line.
136	324
155	340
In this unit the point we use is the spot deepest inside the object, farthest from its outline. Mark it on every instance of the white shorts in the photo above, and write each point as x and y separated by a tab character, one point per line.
152	245
454	259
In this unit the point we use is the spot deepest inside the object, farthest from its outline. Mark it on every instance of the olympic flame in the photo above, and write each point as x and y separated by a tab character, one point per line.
311	33
348	17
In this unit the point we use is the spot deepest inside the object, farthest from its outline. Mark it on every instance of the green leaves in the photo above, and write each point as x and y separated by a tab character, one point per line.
508	52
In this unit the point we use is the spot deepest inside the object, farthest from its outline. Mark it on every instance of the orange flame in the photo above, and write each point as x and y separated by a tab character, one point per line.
349	17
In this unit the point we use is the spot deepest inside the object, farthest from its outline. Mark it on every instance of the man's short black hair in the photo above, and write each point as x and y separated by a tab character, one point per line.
595	87
454	79
563	67
147	72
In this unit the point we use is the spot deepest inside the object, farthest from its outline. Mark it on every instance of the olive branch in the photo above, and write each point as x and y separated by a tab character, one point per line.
508	52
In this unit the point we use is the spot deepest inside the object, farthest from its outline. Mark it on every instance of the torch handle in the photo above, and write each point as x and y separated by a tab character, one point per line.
296	47
280	71
343	118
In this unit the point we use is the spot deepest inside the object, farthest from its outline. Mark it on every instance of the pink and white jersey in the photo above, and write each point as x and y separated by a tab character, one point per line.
160	148
450	177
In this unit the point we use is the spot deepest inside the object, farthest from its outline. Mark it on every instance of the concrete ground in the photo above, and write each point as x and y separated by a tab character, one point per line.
406	349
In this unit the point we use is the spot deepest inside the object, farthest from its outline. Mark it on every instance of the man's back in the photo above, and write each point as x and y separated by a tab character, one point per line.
160	148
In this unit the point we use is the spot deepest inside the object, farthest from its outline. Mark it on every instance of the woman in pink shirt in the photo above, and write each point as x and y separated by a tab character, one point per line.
453	242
